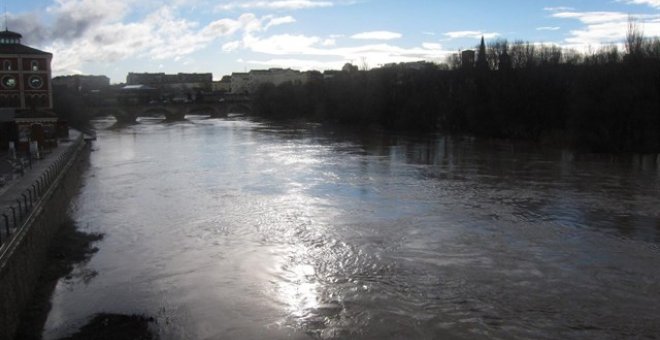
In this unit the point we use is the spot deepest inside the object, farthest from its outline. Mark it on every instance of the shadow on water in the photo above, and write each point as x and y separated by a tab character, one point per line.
69	248
114	327
72	248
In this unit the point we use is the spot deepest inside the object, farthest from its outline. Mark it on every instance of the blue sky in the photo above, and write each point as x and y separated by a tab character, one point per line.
223	36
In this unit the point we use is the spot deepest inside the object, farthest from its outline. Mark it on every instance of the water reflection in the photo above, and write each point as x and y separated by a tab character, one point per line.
239	229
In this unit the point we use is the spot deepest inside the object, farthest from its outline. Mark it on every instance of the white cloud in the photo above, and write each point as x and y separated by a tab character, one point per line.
652	3
222	27
472	34
558	9
280	44
299	64
274	5
86	10
280	21
100	34
432	46
377	35
329	42
317	48
231	46
604	28
429	33
593	17
548	28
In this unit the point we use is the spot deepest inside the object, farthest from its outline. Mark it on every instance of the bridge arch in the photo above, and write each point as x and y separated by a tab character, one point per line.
202	109
239	108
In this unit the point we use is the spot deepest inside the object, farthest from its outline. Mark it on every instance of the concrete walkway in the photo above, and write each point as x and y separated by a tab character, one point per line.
17	184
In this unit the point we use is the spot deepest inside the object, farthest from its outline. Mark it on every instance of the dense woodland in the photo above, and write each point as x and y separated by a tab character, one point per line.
606	101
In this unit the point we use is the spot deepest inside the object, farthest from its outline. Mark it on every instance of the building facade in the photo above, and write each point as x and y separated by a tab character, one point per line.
25	81
26	94
180	82
245	83
224	85
82	83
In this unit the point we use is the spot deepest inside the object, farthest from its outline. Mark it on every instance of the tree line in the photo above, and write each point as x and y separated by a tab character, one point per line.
604	101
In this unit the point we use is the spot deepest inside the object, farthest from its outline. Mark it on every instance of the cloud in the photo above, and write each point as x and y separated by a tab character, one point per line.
432	46
652	3
548	28
377	35
296	46
274	5
81	32
231	46
593	17
280	21
281	44
558	9
299	64
604	28
71	19
329	42
472	34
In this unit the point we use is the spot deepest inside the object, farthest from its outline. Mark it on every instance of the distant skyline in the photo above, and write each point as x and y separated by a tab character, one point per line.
116	37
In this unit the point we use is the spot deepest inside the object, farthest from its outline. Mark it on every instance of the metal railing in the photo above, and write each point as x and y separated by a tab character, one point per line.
14	216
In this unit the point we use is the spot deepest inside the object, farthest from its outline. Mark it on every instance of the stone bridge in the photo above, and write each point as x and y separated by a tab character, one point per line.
128	113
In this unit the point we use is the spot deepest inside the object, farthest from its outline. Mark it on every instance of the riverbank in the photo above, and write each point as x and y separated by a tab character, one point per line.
70	247
33	206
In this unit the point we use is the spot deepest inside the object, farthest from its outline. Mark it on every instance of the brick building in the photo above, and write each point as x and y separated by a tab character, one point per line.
26	96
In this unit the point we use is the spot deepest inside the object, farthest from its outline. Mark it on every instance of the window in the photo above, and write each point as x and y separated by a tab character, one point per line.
35	65
35	82
6	65
9	82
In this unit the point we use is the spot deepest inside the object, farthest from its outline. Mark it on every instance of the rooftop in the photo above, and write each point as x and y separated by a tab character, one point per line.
10	43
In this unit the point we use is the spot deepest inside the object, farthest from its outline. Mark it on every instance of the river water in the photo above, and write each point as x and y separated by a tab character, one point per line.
237	229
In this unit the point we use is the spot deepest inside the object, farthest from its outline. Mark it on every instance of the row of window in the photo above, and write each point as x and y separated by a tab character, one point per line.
10	82
9	41
7	65
31	100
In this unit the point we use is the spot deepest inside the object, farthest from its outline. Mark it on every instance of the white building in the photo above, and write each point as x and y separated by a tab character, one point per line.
249	82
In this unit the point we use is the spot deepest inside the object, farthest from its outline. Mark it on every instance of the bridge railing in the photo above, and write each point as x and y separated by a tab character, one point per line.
15	216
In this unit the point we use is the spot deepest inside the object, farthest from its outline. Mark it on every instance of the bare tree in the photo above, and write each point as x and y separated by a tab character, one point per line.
634	38
364	65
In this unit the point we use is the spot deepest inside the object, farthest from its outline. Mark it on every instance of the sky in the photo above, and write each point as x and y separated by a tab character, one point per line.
115	37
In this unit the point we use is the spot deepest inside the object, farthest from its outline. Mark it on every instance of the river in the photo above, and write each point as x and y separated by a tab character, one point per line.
240	229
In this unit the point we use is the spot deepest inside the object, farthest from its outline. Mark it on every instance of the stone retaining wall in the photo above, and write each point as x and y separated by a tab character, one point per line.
22	262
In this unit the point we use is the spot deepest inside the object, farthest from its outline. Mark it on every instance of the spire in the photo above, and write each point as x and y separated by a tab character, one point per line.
482	63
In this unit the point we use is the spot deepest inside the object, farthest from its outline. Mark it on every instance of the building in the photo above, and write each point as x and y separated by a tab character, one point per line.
224	85
173	83
82	83
137	94
414	65
25	75
249	82
240	82
26	94
468	58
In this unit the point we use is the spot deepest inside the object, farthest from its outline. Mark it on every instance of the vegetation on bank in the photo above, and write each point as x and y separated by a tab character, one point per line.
607	101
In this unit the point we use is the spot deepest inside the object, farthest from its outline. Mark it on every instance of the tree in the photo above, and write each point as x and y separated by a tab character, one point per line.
634	39
349	68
